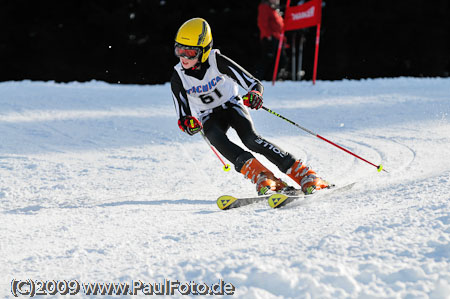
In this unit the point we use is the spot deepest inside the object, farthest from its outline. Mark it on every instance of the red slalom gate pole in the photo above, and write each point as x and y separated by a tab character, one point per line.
379	167
316	55
275	70
226	167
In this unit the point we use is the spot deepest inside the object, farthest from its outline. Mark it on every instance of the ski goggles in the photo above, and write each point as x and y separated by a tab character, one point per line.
188	52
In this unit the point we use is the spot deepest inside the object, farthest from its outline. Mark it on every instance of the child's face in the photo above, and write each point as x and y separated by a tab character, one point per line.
188	63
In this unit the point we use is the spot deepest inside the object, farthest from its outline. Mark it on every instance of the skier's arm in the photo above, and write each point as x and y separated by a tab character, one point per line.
179	96
238	74
255	89
187	123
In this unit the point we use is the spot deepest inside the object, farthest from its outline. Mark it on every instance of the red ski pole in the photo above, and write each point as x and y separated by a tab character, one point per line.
226	167
379	167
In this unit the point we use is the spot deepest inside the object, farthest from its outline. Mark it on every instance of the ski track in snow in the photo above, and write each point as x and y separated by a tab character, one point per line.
98	184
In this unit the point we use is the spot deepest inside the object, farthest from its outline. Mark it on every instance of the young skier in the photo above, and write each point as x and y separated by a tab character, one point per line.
205	82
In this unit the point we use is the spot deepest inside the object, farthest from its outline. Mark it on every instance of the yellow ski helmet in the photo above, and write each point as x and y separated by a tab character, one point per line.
195	33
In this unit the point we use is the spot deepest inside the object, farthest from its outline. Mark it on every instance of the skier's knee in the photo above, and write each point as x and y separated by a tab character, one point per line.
249	141
213	136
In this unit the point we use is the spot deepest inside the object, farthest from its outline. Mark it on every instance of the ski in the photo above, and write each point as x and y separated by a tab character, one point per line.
226	202
279	200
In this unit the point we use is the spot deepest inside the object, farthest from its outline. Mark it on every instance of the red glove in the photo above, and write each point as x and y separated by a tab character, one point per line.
253	99
190	124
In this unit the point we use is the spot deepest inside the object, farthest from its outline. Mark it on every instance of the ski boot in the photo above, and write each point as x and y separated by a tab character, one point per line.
265	180
306	178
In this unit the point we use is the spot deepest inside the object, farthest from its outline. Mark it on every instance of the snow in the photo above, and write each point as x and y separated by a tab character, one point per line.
97	184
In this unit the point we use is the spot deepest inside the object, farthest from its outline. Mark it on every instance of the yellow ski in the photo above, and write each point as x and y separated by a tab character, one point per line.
226	202
278	199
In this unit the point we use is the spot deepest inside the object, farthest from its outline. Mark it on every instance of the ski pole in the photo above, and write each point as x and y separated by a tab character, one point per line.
379	167
226	167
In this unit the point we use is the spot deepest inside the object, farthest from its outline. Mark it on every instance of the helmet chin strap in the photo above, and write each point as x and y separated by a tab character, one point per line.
199	63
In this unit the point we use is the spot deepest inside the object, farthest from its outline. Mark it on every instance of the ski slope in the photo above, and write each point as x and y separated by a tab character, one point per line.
98	184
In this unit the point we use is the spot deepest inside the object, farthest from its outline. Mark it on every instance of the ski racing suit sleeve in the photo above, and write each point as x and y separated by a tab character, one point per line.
179	96
236	72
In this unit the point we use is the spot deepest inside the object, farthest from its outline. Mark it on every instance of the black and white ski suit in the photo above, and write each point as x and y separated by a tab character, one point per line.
210	92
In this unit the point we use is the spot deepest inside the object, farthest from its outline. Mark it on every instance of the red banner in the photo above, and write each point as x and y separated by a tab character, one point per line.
302	16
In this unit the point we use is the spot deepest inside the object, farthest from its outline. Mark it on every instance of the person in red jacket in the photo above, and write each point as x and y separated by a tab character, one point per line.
270	24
